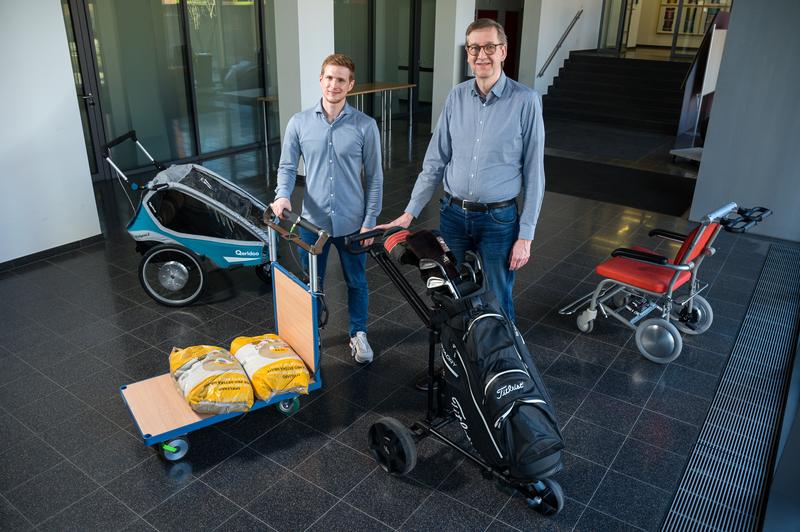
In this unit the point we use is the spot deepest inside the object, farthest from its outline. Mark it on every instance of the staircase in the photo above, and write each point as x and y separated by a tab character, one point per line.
629	93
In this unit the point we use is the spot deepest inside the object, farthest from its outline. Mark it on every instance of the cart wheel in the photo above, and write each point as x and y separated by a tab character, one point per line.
264	272
658	340
549	499
393	446
174	449
585	325
172	275
289	406
698	321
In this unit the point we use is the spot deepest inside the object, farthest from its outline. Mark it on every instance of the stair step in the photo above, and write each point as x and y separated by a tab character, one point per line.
611	78
659	126
668	99
610	108
654	70
632	63
600	87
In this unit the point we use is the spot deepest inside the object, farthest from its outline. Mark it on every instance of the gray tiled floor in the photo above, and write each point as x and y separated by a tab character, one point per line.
77	326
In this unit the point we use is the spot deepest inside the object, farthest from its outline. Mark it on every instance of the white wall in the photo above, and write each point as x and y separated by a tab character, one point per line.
452	19
751	152
304	38
538	40
47	197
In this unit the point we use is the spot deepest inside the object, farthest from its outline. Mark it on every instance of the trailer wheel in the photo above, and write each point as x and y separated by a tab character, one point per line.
264	272
549	498
172	275
289	406
393	446
174	449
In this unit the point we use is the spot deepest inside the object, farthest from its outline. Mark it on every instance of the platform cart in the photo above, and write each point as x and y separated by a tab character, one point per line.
159	411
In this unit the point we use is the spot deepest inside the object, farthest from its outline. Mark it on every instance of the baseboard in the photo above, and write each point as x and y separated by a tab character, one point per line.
52	252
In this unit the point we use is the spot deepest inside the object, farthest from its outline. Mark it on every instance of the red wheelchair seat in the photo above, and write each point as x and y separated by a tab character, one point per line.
650	277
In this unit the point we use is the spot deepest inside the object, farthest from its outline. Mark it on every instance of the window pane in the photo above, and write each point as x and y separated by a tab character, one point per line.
225	51
142	77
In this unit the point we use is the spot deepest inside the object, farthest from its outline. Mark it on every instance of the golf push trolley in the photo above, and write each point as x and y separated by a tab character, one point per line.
489	384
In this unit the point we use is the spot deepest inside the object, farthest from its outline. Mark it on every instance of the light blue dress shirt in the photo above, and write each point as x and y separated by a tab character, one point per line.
487	151
335	198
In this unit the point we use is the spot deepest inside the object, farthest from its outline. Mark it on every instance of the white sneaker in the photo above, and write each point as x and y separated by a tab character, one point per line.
360	349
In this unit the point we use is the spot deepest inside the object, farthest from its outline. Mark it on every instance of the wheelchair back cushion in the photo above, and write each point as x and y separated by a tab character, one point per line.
686	253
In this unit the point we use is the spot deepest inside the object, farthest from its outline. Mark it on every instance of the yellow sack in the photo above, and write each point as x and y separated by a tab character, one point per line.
211	380
271	364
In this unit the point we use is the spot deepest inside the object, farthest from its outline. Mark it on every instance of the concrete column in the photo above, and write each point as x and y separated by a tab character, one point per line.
304	37
452	19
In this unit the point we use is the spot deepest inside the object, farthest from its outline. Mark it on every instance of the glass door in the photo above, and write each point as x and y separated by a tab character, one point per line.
612	26
692	18
86	87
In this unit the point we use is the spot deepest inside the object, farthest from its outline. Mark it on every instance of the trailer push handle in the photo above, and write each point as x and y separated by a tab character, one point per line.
271	221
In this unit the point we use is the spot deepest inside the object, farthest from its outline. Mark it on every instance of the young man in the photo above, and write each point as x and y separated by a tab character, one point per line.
336	141
488	148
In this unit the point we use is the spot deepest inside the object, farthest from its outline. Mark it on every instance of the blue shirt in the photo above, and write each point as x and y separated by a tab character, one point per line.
335	199
487	151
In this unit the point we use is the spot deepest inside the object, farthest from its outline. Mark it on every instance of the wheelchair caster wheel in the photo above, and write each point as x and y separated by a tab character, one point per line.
392	446
585	322
698	320
658	340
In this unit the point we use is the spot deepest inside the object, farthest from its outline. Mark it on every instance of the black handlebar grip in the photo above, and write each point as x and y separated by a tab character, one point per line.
295	219
119	140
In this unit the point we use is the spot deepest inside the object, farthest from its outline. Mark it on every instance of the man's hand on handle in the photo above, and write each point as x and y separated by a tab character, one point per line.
368	242
404	220
520	253
279	205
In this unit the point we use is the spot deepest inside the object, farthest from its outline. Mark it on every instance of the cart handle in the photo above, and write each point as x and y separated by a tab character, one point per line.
745	219
272	221
353	242
130	135
119	140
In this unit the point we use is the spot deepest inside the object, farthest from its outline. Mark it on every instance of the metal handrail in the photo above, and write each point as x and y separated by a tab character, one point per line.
560	42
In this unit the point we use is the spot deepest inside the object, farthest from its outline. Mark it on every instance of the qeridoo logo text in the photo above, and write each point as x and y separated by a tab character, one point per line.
240	253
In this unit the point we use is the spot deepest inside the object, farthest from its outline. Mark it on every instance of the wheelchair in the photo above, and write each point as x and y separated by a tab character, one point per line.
639	285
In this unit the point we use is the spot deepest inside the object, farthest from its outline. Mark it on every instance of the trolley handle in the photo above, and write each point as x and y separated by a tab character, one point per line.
119	140
745	219
353	242
273	222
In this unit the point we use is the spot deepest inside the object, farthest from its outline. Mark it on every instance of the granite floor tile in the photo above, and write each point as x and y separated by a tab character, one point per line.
30	387
197	507
24	459
442	513
579	478
576	371
666	433
329	414
364	389
336	468
631	501
519	515
593	351
96	511
594	521
244	521
690	381
48	493
253	424
625	387
344	518
11	519
389	499
649	464
638	367
79	432
145	486
290	443
592	442
466	484
676	404
102	466
608	412
549	337
244	476
566	397
291	504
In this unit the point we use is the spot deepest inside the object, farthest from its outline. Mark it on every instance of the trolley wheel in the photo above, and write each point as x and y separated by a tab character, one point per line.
696	322
288	407
172	275
174	449
264	272
549	498
585	325
393	446
658	340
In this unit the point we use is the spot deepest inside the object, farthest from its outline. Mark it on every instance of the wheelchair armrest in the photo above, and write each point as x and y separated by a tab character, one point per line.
641	256
667	235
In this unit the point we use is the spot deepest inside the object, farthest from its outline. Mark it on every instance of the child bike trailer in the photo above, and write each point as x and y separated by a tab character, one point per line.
189	219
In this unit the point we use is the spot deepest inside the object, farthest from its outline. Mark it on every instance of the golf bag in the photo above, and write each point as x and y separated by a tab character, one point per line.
491	384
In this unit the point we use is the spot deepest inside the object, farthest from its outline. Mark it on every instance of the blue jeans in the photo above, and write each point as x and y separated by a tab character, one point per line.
354	268
492	235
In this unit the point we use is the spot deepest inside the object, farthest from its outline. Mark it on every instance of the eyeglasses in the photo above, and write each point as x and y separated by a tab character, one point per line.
475	50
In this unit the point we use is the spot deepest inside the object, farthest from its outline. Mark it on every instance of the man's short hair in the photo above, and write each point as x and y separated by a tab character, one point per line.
339	60
484	23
